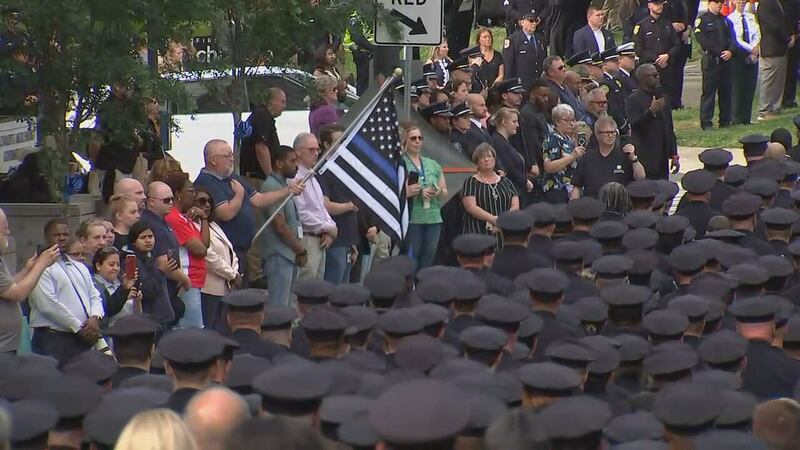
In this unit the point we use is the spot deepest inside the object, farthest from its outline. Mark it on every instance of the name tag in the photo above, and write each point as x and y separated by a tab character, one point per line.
648	33
619	169
299	230
522	52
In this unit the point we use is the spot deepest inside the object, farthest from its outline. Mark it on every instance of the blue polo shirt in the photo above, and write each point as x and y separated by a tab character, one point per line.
242	228
165	238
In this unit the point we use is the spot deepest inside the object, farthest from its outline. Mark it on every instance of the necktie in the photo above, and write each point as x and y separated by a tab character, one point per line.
745	31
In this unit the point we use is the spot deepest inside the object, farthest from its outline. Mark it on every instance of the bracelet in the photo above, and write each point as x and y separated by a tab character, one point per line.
634	161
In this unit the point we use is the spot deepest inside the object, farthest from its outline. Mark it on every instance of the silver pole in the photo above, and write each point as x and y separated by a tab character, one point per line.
407	81
331	151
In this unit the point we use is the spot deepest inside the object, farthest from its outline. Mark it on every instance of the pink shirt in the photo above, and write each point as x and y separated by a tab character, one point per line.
311	206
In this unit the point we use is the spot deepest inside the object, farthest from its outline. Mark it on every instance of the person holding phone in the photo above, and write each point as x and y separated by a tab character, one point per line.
560	153
426	187
151	280
609	159
120	297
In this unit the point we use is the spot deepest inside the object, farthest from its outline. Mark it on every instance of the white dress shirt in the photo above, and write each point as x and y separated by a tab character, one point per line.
601	40
314	218
65	297
752	27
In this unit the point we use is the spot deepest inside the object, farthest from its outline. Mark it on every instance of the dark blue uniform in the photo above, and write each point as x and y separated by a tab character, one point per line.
523	57
654	37
616	102
629	83
713	33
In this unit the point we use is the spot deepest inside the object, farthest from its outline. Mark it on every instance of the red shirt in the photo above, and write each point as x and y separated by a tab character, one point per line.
184	230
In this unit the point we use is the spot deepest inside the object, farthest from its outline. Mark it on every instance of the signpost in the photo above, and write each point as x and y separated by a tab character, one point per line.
421	23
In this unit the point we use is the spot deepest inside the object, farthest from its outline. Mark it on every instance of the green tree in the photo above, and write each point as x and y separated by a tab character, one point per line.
74	50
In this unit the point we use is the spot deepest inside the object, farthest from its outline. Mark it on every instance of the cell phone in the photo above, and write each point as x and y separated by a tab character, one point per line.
624	140
581	139
130	266
413	177
171	257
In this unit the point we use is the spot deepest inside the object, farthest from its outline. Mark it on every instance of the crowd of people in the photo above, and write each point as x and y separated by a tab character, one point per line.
583	303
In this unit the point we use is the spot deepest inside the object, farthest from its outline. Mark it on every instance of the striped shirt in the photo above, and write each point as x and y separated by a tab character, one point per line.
494	198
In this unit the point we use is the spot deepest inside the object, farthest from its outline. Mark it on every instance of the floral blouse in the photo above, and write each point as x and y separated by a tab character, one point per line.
556	146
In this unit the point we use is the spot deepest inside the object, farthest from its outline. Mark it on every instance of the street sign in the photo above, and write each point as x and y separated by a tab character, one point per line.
421	22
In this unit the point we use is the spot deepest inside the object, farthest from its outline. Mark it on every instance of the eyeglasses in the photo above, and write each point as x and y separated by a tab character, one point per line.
608	133
569	120
561	68
226	156
167	200
415	138
78	255
203	201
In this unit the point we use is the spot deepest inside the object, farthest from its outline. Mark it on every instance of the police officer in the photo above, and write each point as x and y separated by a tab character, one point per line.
357	38
514	258
524	51
626	66
713	33
614	94
657	43
515	9
698	185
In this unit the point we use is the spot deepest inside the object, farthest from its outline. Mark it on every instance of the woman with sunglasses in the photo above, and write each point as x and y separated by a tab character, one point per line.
425	187
190	227
324	104
222	266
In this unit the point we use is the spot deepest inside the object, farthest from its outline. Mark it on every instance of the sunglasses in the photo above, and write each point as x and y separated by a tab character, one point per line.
166	200
415	138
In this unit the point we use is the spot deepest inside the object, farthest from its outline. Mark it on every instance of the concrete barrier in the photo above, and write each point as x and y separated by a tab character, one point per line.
27	220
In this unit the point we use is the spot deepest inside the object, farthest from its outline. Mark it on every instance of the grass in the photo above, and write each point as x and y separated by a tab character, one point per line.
689	133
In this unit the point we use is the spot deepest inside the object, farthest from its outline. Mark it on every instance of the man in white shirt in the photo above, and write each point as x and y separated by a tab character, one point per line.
319	229
66	310
745	61
593	37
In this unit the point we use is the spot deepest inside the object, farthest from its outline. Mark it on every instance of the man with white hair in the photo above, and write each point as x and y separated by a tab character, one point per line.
319	229
15	289
234	198
212	415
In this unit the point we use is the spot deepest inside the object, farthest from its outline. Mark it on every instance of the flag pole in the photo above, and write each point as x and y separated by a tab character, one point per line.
334	147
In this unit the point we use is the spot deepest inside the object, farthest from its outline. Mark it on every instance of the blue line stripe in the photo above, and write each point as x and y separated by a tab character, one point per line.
365	148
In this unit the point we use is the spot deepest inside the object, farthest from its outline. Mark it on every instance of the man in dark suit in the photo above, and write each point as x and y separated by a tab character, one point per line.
651	124
524	51
555	73
593	37
777	36
565	17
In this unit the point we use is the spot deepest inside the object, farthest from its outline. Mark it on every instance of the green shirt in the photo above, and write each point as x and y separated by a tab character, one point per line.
271	243
425	212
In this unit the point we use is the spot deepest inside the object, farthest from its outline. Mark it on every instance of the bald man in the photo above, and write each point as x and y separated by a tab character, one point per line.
133	188
776	151
777	423
235	200
213	414
157	205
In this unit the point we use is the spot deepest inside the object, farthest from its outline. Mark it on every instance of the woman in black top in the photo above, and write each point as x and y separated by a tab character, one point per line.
492	69
153	283
486	194
506	124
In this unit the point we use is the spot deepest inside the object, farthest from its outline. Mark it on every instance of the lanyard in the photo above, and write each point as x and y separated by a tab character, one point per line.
64	267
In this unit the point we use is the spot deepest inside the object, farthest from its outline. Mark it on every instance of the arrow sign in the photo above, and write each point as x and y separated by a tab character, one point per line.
421	22
417	27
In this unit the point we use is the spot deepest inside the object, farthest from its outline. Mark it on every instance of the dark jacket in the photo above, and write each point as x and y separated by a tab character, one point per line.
153	285
511	161
567	96
583	39
776	28
535	129
652	134
523	59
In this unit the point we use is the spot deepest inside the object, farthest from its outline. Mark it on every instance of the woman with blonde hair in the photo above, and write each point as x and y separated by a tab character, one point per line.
440	61
156	429
162	168
506	124
324	104
124	213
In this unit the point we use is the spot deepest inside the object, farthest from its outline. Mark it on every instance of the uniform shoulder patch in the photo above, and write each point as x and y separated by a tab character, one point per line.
619	82
507	43
353	21
698	21
603	88
636	29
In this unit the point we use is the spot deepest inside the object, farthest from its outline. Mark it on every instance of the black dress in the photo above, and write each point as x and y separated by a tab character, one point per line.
489	70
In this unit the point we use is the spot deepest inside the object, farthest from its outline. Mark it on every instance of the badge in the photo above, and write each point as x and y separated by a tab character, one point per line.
507	43
636	30
604	88
697	22
619	83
